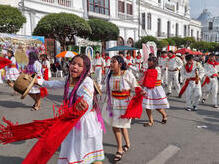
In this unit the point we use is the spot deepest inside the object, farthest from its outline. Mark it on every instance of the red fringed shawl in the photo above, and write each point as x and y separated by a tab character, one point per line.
51	133
4	62
134	109
150	78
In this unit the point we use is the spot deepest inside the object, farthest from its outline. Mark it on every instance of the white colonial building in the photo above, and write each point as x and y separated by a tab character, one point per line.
135	18
210	26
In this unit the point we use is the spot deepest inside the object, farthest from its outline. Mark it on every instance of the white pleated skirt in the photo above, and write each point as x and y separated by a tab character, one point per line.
155	98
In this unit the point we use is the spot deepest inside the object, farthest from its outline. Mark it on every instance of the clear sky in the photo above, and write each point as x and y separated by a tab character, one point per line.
197	7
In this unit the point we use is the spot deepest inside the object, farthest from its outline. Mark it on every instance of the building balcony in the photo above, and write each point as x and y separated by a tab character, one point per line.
126	17
58	3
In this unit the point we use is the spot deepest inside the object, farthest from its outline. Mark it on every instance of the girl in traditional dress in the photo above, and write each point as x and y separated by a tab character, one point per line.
12	71
34	66
119	84
46	67
77	127
155	97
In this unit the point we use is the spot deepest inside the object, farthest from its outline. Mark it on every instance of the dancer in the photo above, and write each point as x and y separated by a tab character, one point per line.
35	67
98	65
211	80
162	62
12	72
174	65
192	73
119	84
76	127
155	97
46	67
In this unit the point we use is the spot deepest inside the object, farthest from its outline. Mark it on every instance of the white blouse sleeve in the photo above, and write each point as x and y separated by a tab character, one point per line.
87	91
131	79
13	60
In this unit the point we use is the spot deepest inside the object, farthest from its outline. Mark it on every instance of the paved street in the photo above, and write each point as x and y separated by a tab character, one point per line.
188	137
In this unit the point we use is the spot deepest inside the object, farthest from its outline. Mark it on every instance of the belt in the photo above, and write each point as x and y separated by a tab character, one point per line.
158	83
98	65
121	95
13	66
172	70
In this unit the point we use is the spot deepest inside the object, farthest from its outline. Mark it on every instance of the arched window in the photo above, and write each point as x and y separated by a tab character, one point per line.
168	28
149	21
177	29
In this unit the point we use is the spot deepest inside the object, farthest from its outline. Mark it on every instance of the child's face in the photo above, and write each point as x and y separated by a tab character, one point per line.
76	67
190	61
150	63
114	65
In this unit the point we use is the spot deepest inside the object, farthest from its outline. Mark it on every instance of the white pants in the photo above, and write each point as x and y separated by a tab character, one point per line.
173	79
1	80
212	87
164	76
193	94
98	74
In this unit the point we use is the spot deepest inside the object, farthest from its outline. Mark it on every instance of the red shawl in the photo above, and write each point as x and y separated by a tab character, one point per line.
164	57
51	133
150	78
214	63
4	62
134	109
138	57
172	57
128	57
188	69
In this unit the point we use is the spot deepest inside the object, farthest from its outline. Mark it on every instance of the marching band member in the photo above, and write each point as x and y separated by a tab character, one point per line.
174	64
192	72
211	80
119	83
98	66
162	63
155	97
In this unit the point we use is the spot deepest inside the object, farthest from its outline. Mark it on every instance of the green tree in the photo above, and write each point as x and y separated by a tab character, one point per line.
103	31
162	43
178	41
11	19
201	46
145	39
188	41
62	26
170	41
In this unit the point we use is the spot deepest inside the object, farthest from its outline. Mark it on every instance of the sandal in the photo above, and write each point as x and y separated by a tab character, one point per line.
118	156
35	108
164	120
125	148
148	124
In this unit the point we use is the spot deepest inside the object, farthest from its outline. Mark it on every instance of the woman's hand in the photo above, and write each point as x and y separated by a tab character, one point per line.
36	81
82	105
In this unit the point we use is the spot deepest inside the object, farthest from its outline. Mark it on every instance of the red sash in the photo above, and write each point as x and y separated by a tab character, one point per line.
185	86
207	79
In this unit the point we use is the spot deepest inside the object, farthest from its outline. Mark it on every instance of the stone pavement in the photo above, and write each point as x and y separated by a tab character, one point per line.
187	138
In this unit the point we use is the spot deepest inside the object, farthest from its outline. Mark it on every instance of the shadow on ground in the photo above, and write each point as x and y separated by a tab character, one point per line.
10	160
13	104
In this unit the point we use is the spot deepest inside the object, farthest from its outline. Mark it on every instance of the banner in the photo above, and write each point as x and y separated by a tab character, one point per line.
21	45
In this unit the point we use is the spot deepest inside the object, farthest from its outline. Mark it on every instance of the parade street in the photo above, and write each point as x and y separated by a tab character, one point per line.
187	138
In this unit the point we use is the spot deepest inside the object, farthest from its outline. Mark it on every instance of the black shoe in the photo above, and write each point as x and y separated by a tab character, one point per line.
195	108
168	93
203	101
215	106
188	109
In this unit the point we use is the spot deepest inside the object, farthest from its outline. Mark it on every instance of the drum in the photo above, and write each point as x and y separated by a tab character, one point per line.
24	83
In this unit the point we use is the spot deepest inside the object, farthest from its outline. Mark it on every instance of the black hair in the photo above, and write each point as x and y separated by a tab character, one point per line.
211	55
163	52
170	51
154	60
97	52
151	55
120	61
33	56
189	57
